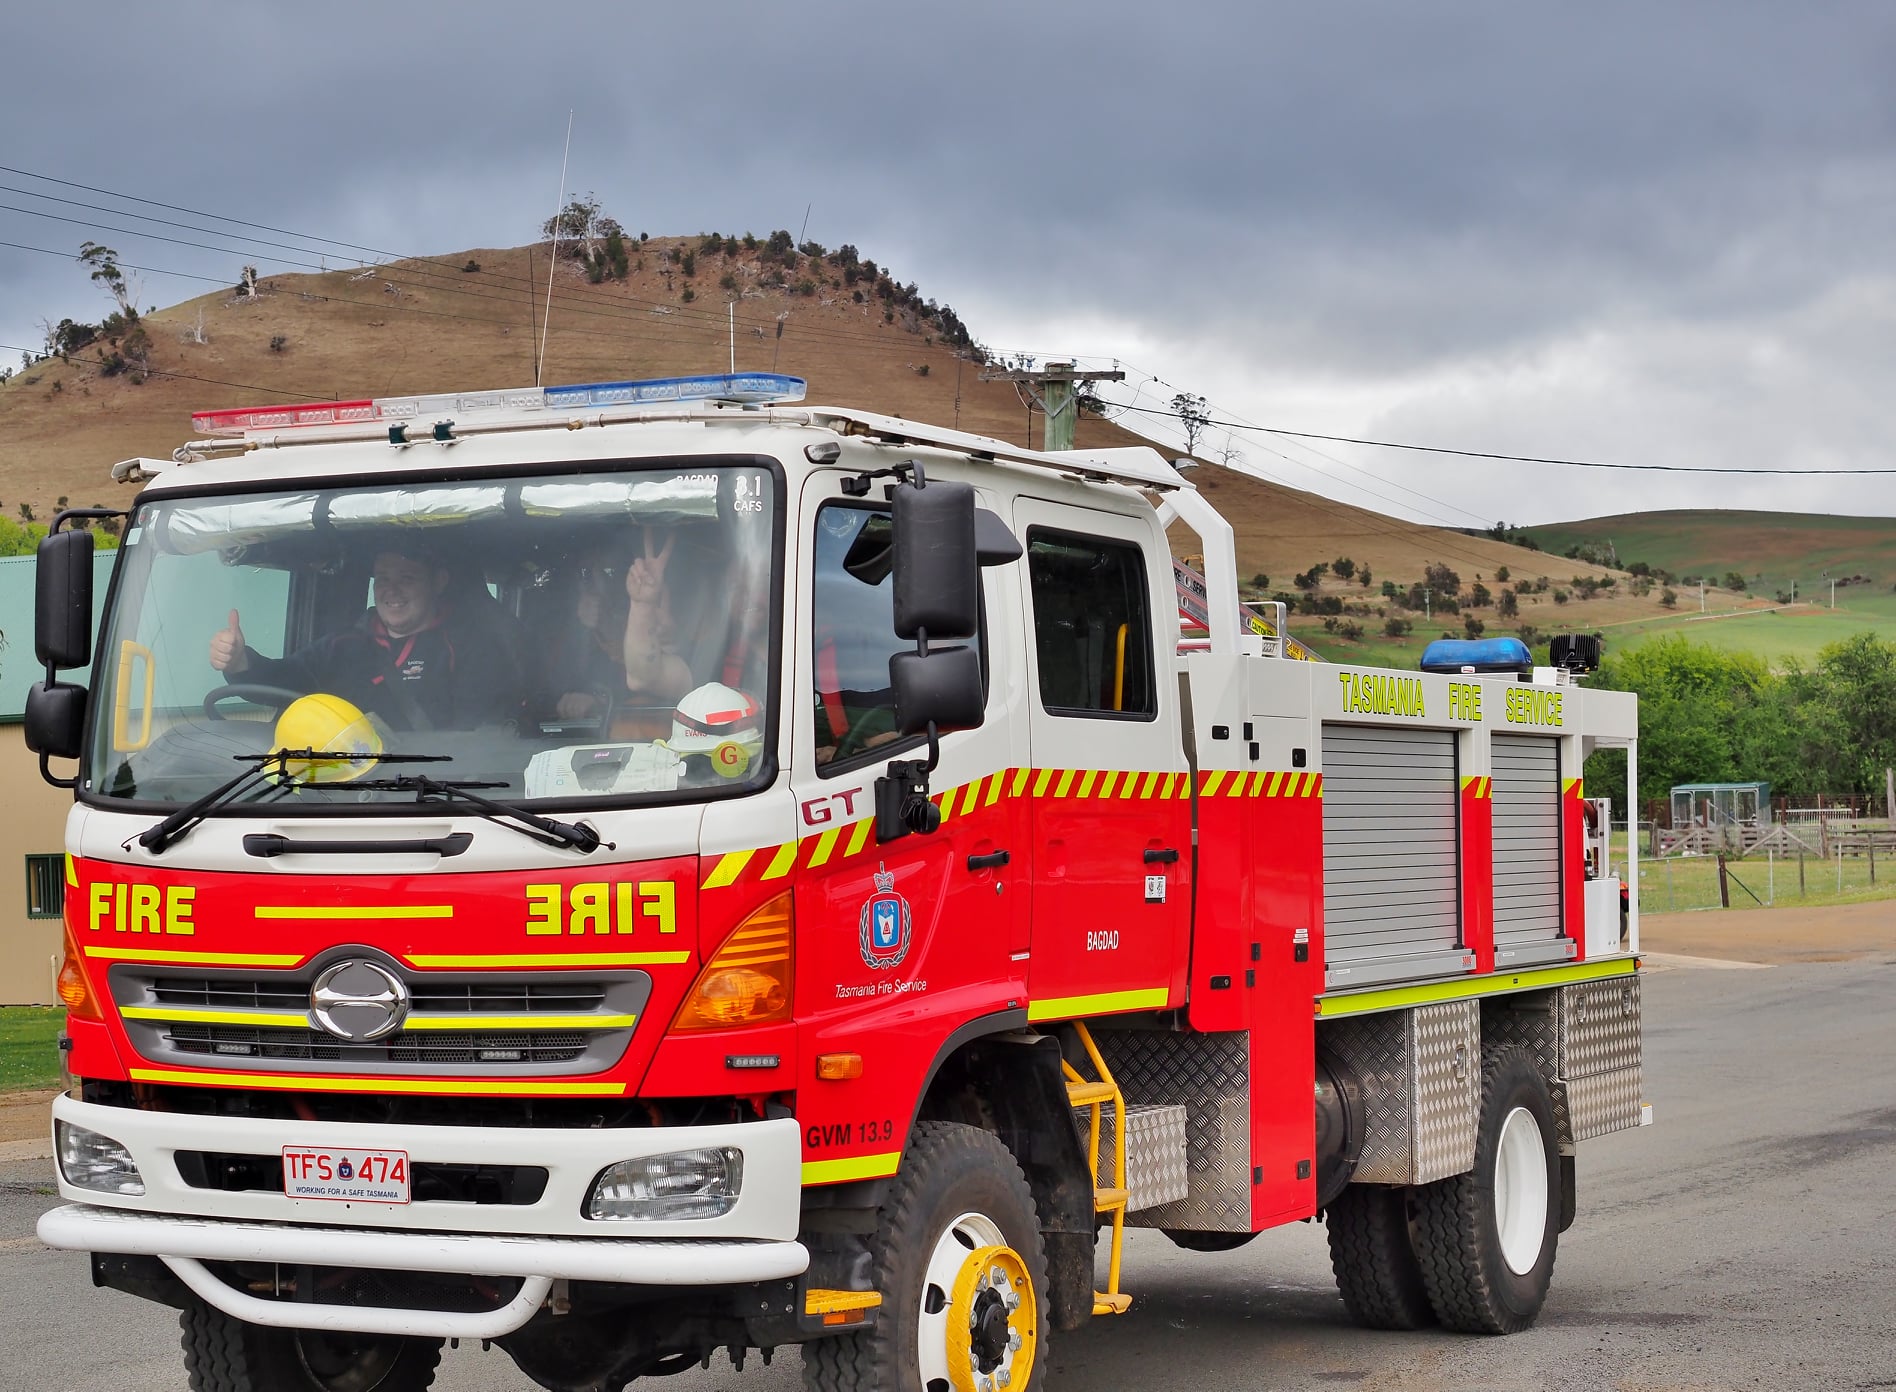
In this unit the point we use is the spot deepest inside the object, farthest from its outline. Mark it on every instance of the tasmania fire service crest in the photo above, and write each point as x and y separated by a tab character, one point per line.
886	924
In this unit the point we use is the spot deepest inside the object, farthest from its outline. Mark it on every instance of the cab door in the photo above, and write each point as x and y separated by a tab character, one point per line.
898	942
1109	801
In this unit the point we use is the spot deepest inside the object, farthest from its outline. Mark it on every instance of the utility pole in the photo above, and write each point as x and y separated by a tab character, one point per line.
1701	596
1833	594
1052	388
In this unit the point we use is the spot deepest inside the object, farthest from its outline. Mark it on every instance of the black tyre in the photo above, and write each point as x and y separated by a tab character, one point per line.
227	1355
1370	1251
1486	1239
963	1275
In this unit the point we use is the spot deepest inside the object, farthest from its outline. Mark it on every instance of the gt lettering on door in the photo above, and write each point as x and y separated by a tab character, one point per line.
138	908
602	907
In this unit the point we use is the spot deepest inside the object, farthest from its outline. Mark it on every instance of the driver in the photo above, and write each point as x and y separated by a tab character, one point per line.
407	660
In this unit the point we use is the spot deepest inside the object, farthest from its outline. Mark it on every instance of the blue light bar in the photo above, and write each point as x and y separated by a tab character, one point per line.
749	388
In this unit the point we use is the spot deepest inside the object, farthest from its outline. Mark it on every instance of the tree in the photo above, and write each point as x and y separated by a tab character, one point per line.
1441	579
583	225
1478	597
1669	598
1472	626
1734	581
1394	627
1343	568
1194	415
105	272
1501	574
1363	578
1507	606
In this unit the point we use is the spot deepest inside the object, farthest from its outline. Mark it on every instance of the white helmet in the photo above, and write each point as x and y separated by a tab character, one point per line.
714	716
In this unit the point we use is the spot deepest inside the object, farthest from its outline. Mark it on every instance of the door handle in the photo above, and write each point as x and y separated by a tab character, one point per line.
1167	856
993	860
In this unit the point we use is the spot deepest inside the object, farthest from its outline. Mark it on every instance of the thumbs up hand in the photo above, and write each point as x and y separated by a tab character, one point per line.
227	647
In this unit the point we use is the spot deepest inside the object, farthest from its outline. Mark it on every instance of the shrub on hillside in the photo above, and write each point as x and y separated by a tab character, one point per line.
1669	598
1395	628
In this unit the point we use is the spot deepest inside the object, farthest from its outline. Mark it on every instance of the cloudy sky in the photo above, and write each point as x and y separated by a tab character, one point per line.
1657	233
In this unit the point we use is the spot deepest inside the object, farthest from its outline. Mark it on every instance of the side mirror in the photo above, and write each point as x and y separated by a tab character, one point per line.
55	719
940	688
62	631
937	561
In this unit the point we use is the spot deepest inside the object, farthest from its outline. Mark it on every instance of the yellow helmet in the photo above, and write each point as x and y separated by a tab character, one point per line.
328	725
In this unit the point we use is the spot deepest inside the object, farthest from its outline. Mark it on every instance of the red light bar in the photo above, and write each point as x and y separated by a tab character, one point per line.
236	422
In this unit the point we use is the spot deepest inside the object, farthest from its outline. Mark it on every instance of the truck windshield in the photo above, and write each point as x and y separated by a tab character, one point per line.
599	635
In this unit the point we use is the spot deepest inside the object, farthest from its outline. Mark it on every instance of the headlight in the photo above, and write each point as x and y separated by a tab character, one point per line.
667	1188
88	1160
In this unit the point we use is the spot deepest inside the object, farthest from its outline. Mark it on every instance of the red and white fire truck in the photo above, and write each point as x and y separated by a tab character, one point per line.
842	951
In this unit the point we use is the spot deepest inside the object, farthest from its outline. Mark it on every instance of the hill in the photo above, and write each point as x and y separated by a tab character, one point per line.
1770	549
472	320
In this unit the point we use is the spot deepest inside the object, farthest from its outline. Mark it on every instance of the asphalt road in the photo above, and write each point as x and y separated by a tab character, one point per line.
1747	1240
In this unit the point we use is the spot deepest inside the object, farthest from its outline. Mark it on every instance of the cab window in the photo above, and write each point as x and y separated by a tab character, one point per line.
1092	626
853	633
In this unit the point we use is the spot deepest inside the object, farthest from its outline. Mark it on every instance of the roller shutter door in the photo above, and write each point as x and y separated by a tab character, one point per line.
1527	918
1391	855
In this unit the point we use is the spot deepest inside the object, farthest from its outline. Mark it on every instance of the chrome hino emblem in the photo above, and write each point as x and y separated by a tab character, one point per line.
358	1001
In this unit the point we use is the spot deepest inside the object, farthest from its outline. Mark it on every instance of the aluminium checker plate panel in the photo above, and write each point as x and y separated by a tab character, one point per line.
1419	1077
1209	1076
1586	1040
1598	1033
1156	1169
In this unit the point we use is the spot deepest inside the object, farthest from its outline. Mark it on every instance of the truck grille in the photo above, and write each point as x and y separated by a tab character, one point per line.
199	1016
431	1046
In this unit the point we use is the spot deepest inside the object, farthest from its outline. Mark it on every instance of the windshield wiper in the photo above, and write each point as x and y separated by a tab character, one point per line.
263	767
574	835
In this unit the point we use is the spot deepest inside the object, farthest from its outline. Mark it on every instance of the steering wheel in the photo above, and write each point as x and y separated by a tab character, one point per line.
275	697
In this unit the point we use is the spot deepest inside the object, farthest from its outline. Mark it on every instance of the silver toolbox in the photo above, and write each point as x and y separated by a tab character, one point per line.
1419	1072
1155	1152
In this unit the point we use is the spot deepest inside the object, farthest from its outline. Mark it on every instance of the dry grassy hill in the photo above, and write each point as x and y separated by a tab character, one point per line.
418	326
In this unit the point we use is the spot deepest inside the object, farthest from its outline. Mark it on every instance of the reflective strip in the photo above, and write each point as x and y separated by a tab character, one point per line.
859	836
781	862
208	959
972	797
214	1017
1476	786
856	1167
553	959
1363	1002
72	872
1086	783
835	1302
824	845
355	914
1065	785
307	1083
1107	1003
729	867
1213	781
519	1022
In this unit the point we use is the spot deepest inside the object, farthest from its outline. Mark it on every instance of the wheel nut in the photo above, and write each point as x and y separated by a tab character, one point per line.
1013	1342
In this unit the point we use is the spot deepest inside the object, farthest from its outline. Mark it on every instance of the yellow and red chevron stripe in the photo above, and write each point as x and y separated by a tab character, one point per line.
1477	785
840	843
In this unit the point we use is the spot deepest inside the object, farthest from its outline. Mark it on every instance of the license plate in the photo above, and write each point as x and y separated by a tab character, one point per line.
358	1176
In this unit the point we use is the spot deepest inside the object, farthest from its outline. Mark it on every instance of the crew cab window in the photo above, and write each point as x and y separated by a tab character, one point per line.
1092	628
853	632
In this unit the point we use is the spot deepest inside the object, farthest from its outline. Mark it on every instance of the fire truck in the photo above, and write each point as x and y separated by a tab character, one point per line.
791	878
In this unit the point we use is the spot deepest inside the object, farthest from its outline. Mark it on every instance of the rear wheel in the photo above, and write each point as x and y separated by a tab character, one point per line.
1487	1239
1376	1269
222	1354
962	1272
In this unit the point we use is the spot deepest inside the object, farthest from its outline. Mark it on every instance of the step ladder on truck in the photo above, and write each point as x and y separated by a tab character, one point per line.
648	868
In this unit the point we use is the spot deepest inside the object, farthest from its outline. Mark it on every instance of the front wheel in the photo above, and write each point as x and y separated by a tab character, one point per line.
1486	1239
227	1355
962	1271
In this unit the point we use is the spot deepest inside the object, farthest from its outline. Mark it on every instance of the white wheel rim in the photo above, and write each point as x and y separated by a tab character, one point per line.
952	1249
1520	1191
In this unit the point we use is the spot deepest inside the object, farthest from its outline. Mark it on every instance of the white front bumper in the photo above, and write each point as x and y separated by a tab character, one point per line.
768	1205
540	1242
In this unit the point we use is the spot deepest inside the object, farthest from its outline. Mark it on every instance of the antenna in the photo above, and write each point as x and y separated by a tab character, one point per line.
730	310
559	211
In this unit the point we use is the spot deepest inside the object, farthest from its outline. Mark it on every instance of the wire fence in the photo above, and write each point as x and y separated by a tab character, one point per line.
1764	880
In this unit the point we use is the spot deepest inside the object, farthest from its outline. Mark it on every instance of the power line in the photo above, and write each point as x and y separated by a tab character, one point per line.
1524	458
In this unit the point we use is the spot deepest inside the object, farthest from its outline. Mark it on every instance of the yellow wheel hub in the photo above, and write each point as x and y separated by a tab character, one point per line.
992	1315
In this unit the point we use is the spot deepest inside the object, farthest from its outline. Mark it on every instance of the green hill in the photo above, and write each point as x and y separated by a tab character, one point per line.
1770	549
